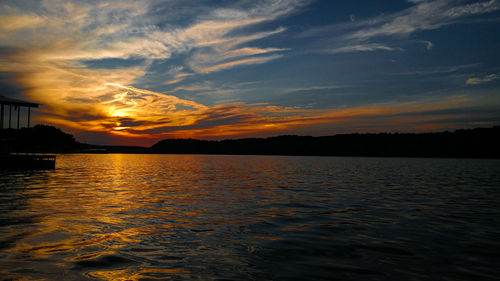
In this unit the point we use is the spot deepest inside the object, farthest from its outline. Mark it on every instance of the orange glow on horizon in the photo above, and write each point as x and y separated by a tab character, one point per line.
127	112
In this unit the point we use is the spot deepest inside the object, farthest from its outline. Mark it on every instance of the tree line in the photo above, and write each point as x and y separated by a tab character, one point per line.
478	143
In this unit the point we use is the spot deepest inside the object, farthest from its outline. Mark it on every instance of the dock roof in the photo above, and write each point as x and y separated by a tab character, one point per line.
17	102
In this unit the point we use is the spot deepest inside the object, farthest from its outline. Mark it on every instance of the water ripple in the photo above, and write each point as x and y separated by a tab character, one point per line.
184	217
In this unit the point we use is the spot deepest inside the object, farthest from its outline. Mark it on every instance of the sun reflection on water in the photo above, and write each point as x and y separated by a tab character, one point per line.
104	206
157	217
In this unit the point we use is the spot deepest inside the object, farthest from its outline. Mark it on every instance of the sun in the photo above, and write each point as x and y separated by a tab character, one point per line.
118	113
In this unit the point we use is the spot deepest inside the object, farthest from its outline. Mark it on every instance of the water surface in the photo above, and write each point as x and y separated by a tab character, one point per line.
204	217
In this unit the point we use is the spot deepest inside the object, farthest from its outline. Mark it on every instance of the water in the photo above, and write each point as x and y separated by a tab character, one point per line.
195	217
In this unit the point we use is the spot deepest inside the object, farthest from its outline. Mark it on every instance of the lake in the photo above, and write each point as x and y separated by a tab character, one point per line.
217	217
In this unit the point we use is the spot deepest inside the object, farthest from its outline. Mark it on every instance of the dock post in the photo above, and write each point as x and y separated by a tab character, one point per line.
29	115
18	105
1	118
18	115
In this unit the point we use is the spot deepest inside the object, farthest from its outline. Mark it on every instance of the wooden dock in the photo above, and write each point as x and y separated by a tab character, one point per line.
27	161
19	161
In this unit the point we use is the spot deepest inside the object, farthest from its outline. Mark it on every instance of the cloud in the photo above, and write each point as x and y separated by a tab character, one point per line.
313	88
372	34
217	46
439	70
121	29
233	63
482	80
428	45
244	52
49	62
223	52
360	48
222	121
178	75
11	23
100	100
194	88
425	15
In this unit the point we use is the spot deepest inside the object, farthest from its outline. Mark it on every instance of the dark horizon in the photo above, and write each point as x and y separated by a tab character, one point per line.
467	143
299	135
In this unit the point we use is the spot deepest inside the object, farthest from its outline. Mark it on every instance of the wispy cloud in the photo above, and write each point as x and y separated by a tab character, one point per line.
216	43
440	70
361	48
313	88
428	45
233	63
177	73
425	15
80	31
221	52
195	87
64	34
372	34
11	23
482	80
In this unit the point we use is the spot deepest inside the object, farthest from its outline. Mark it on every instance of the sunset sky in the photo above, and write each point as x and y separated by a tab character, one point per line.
135	72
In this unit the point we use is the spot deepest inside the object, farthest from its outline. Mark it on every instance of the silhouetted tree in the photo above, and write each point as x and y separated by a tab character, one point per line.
40	138
480	142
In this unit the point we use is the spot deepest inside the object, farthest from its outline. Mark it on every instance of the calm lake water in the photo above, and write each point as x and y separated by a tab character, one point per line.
204	217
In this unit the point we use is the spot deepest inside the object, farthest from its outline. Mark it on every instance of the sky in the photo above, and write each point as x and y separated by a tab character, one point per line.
134	72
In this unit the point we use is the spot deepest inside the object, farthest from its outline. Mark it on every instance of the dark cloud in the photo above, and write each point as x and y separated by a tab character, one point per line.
8	86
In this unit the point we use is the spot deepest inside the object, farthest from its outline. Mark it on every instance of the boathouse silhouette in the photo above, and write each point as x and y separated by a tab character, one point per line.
15	160
17	104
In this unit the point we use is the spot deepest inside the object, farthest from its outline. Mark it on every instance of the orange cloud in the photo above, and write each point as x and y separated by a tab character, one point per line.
104	101
11	23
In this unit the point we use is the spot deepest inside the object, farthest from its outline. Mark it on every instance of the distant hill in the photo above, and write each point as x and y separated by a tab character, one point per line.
480	143
470	143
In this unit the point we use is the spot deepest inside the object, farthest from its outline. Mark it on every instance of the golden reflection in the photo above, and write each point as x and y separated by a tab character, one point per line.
111	206
116	275
116	240
86	216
